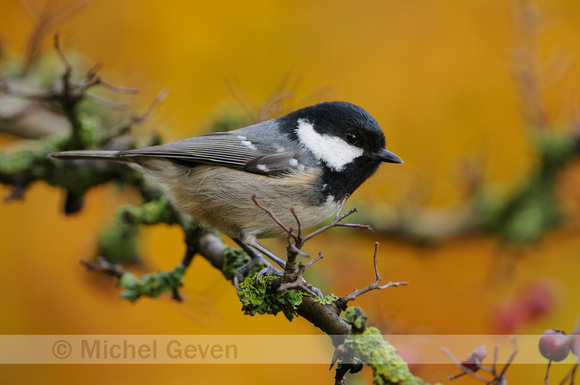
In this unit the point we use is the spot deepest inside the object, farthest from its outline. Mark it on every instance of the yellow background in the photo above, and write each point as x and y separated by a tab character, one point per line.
437	76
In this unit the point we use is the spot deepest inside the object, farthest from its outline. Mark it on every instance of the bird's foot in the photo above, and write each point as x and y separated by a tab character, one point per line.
270	270
241	272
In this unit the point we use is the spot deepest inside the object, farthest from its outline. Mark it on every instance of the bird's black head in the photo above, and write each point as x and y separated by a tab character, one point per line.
347	141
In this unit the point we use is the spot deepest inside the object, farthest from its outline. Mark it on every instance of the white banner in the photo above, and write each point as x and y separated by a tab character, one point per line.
251	349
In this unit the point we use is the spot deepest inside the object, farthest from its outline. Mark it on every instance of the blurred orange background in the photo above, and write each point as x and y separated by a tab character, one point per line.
437	76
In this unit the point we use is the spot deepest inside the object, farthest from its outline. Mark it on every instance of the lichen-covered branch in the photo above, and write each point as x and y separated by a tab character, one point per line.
34	104
365	344
530	210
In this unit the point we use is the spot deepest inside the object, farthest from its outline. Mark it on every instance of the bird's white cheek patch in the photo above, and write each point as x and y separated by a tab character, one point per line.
333	151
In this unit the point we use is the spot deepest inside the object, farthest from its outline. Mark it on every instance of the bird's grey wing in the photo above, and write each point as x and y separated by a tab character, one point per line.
227	149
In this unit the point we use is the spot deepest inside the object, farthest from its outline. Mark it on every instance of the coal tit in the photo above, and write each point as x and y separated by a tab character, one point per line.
309	160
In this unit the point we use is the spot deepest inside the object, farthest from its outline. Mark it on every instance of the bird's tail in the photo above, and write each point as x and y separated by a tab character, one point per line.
90	155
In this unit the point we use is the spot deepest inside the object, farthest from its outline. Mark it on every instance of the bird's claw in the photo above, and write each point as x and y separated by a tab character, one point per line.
317	291
268	271
241	272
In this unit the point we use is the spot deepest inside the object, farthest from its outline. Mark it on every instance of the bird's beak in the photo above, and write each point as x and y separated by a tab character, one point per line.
387	156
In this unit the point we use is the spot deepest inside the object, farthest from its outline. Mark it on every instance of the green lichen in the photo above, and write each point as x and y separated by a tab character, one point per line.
556	152
30	163
532	210
233	260
355	317
151	285
263	299
91	133
31	156
118	243
367	345
149	213
327	300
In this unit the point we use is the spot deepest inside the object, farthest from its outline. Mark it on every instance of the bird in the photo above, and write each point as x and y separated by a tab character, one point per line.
309	160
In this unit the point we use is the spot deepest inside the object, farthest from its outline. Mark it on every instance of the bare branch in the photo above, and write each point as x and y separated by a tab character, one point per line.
571	375
299	283
159	98
44	19
89	78
273	106
336	221
115	88
274	217
320	256
510	360
103	266
297	239
241	97
373	286
547	373
297	250
37	95
107	103
298	223
61	54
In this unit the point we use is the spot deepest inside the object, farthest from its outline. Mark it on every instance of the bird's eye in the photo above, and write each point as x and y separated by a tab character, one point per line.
351	138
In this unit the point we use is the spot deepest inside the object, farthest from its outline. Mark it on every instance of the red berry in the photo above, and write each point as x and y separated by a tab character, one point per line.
554	345
575	337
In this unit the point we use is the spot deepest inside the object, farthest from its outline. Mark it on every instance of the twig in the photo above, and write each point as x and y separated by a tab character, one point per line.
46	18
116	88
241	97
510	360
462	367
373	286
336	221
547	372
320	256
571	375
92	72
298	223
494	363
107	103
325	317
91	79
103	266
465	367
61	54
67	99
273	106
136	118
297	239
274	217
292	249
159	98
299	283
